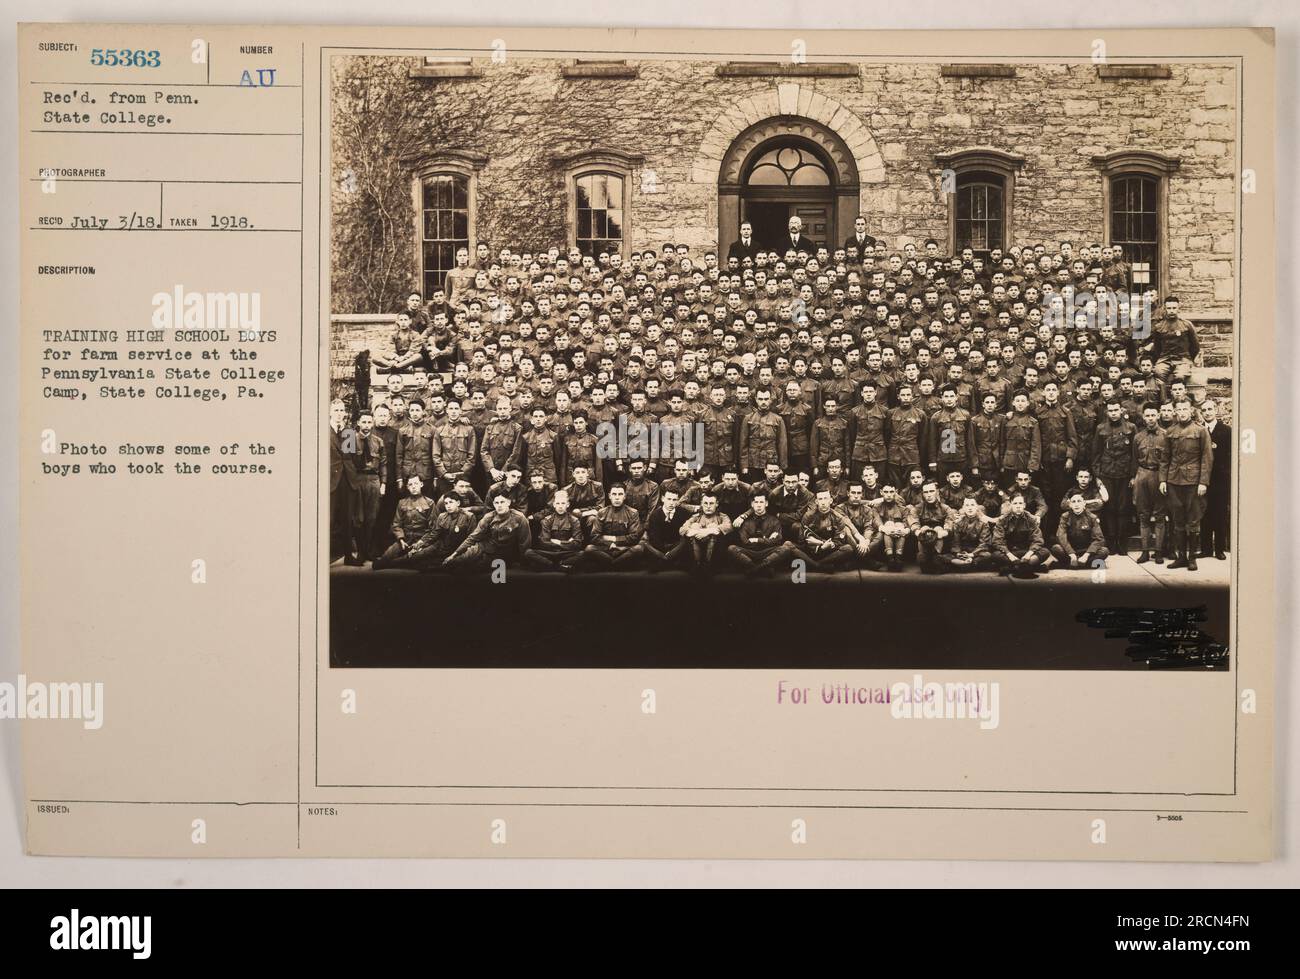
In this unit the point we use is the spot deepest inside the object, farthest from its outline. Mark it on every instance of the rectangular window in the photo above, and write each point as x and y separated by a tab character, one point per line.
445	224
1135	225
981	214
598	213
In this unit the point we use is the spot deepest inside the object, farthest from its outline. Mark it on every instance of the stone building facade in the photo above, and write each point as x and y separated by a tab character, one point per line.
534	153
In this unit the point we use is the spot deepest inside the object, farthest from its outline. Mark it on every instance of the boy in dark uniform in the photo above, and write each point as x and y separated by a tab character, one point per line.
502	534
759	546
1079	540
663	544
1021	440
1060	450
971	542
1152	511
585	495
1018	541
447	531
641	494
705	532
410	521
866	521
830	436
387	432
560	535
1114	460
371	465
835	480
868	424
615	535
893	527
930	522
513	487
734	497
906	426
579	449
986	438
537	501
1185	469
951	442
991	500
954	490
829	539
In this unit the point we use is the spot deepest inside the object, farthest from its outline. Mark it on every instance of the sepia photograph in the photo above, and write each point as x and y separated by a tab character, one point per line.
751	363
784	452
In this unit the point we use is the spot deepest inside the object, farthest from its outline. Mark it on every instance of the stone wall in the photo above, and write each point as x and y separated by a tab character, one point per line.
525	116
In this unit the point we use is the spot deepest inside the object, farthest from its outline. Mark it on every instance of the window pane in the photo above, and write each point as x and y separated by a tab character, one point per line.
460	224
599	191
460	193
810	176
615	224
615	191
788	158
768	176
583	191
584	223
963	204
598	224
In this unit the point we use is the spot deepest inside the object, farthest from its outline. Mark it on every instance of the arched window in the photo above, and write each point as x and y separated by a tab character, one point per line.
789	166
980	186
444	193
599	184
1135	196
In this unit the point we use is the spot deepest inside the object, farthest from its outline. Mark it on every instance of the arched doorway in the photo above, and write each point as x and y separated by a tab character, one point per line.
785	177
786	166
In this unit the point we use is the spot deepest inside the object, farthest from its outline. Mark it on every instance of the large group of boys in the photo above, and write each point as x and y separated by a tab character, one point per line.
845	407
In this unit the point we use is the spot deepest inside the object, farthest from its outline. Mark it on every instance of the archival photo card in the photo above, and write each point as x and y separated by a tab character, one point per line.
647	443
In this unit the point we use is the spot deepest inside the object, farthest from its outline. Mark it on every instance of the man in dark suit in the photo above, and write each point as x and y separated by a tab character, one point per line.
745	247
387	432
1218	495
795	240
343	485
859	239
